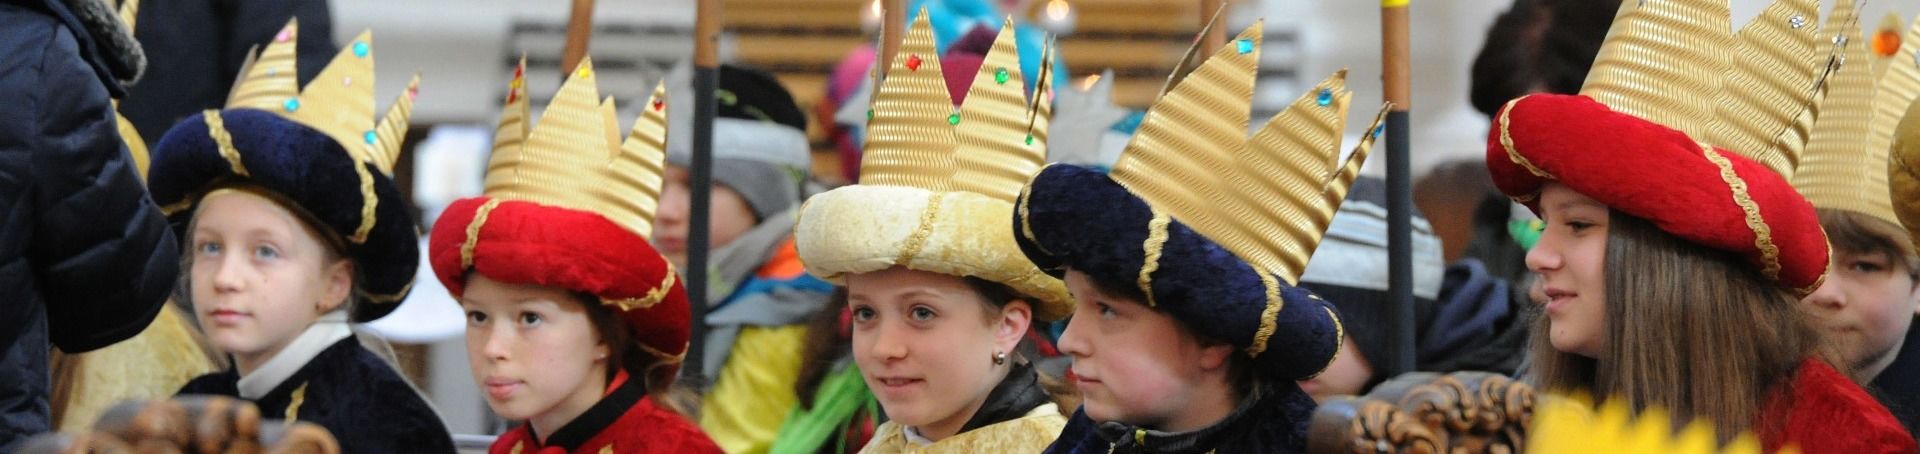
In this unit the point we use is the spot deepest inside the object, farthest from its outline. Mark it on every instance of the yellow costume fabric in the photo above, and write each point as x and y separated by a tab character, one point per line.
1030	433
754	391
153	364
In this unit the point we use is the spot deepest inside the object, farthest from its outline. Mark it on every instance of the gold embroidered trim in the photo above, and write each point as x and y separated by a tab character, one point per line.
517	446
293	408
1808	290
366	209
1506	141
473	232
1339	339
666	358
387	299
919	238
652	297
175	207
1026	223
1269	322
608	449
1762	235
217	128
1156	240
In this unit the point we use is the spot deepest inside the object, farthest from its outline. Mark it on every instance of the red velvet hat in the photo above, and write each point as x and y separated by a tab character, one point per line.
569	205
1693	128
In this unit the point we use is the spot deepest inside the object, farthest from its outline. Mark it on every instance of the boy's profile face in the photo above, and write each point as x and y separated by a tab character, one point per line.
731	216
1134	364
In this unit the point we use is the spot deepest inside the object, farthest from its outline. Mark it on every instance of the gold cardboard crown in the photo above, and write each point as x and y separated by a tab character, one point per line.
938	184
1843	165
988	146
575	158
1268	198
1677	63
339	102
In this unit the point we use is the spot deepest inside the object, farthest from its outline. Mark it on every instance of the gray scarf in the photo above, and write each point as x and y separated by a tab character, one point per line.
733	265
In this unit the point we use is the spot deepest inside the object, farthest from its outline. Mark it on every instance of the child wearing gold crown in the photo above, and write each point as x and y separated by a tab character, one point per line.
1867	305
1679	288
575	323
1190	331
293	229
940	298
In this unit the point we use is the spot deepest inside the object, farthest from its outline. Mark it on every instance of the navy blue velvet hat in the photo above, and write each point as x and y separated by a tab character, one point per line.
318	152
1213	227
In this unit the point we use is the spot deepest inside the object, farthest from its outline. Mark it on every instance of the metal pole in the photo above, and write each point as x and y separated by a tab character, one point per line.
1398	87
706	67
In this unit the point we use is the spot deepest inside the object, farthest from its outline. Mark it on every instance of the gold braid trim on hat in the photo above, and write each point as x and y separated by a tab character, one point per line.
1339	338
473	232
1269	317
919	238
1506	141
394	297
652	297
1762	235
217	129
1156	240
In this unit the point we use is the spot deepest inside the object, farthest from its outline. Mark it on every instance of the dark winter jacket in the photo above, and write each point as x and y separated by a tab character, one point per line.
86	259
351	393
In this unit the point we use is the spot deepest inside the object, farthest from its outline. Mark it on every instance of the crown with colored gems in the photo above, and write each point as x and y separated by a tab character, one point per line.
575	157
1847	153
1269	197
338	102
989	145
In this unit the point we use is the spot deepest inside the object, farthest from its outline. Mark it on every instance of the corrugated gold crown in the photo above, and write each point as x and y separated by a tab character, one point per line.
338	102
575	158
1678	63
1843	165
1269	197
990	145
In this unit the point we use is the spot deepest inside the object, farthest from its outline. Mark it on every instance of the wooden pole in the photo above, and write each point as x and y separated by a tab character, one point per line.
579	32
1395	75
893	25
706	70
1216	37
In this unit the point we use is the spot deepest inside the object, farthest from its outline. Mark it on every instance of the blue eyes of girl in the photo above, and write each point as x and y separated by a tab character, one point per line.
264	252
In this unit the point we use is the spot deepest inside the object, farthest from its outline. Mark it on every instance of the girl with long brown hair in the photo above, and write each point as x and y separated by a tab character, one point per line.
1675	252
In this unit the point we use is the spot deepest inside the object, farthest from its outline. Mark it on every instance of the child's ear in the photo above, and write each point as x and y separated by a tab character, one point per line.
1015	318
1214	355
339	280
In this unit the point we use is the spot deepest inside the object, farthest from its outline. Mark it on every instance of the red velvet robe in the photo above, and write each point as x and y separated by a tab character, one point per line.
1831	414
625	421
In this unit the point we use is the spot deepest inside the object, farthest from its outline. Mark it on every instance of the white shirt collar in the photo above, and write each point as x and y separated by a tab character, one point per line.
323	333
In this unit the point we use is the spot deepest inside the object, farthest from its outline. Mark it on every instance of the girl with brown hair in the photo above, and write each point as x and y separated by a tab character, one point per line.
1675	253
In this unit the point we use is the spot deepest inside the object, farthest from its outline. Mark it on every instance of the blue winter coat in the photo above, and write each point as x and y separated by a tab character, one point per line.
86	259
